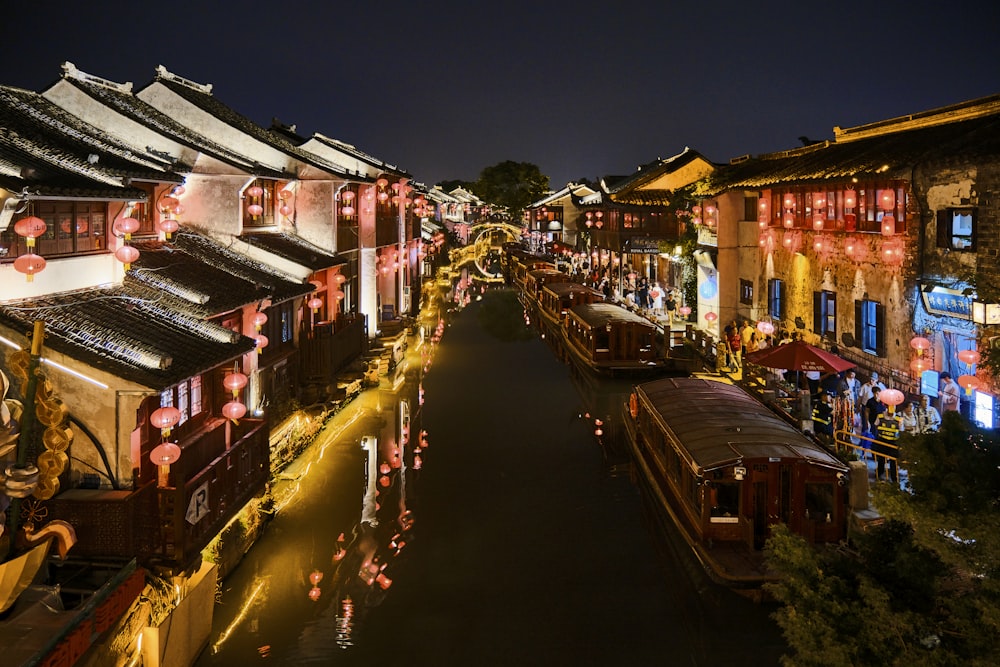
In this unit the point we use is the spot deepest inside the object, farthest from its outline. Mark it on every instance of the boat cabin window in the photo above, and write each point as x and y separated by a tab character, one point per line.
725	501
819	501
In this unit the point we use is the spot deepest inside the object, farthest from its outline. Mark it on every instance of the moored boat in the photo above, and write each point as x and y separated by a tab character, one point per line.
725	469
610	340
556	299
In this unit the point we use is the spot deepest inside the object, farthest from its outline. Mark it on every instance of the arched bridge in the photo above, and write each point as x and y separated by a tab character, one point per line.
485	248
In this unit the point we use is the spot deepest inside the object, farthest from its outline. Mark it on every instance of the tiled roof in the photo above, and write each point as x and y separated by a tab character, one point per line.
293	248
135	109
632	190
36	116
127	332
39	157
278	287
888	150
163	266
360	155
202	98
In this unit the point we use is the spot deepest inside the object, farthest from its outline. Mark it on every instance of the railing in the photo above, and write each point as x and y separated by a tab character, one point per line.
325	350
197	509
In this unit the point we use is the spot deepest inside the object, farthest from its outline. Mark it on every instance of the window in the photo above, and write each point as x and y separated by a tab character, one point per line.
751	202
186	397
819	501
265	200
776	298
746	292
72	228
869	326
825	314
726	508
956	229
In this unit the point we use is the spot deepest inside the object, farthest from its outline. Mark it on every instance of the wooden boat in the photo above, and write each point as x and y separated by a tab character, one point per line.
556	299
725	469
534	281
610	340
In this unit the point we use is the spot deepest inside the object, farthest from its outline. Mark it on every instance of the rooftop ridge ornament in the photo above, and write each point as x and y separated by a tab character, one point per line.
163	73
70	71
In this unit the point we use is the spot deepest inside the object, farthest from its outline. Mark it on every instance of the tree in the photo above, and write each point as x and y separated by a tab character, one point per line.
511	185
922	588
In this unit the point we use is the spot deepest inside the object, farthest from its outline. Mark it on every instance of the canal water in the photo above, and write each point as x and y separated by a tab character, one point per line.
467	513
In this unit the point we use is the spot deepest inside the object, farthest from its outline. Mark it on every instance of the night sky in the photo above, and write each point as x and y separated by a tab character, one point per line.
582	89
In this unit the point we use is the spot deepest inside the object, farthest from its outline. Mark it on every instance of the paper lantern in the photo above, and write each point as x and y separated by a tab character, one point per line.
29	264
261	341
818	222
255	191
765	327
339	278
259	319
164	418
708	289
788	200
168	227
970	357
314	593
127	227
850	199
167	204
684	310
127	255
968	382
234	410
888	225
887	200
381	182
178	190
818	201
234	382
315	577
920	344
255	210
285	210
165	453
284	195
30	228
919	365
891	397
788	220
315	303
711	316
347	195
348	211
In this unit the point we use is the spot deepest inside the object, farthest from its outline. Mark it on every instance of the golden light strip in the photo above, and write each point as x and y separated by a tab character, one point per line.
239	618
56	364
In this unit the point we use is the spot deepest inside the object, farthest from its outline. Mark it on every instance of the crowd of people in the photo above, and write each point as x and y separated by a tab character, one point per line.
638	292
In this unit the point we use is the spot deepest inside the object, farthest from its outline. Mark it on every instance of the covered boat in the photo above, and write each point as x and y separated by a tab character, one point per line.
610	340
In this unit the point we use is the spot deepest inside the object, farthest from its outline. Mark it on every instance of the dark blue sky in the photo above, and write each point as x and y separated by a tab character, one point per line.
582	89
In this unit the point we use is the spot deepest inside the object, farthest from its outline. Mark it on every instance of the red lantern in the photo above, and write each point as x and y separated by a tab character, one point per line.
347	195
338	295
819	201
711	316
385	468
126	227
315	577
887	200
259	320
968	382
261	341
339	278
126	255
384	480
168	227
888	225
818	222
789	200
30	228
283	195
348	211
891	397
919	343
383	197
788	220
850	199
315	304
234	382
970	357
255	191
919	365
255	210
317	285
381	182
285	210
684	310
167	204
765	327
314	593
29	264
164	418
165	453
234	410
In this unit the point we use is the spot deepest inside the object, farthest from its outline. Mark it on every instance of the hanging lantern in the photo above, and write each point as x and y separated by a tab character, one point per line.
887	200
920	344
284	194
315	304
381	182
165	454
261	341
285	210
711	316
126	227
234	410
765	327
259	319
168	227
696	209
317	284
30	228
818	201
315	577
762	222
347	195
339	278
178	190
167	204
29	264
891	397
255	191
348	211
338	295
127	255
850	199
788	201
255	210
968	382
234	382
314	593
684	310
165	418
970	357
788	220
888	225
383	197
919	365
819	222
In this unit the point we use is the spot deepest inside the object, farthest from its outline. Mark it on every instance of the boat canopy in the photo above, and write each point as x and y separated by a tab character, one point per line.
597	315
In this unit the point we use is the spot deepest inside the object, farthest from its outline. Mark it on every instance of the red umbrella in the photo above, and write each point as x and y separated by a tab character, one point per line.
799	356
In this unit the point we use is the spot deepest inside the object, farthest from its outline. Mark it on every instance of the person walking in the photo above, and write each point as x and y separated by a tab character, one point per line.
950	394
872	410
886	452
822	417
928	418
671	306
865	393
736	345
656	294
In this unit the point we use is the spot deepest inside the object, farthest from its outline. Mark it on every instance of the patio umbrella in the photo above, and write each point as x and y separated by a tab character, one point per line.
799	356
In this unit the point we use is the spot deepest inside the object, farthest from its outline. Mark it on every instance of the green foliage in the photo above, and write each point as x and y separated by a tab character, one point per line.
922	588
511	185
